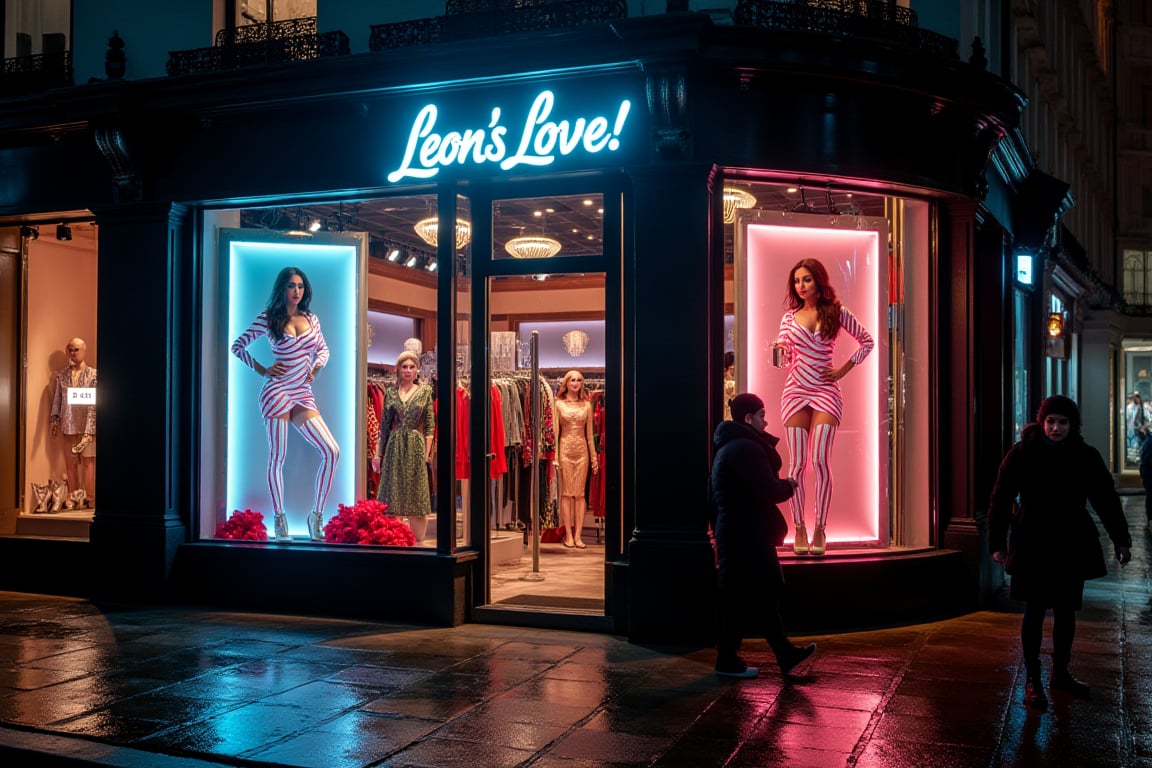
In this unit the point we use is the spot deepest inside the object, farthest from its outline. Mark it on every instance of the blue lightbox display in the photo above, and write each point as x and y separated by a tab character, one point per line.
335	271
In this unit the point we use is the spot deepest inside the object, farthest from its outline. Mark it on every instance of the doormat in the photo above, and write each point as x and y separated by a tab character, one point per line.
556	601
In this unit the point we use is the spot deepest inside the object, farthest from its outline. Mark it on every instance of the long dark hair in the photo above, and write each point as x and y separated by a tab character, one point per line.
277	309
827	305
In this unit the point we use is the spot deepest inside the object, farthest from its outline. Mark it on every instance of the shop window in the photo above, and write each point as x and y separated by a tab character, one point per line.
1058	348
1021	349
875	253
60	378
1136	413
334	441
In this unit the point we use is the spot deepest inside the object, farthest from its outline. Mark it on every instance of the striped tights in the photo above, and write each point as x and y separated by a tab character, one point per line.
823	437
316	433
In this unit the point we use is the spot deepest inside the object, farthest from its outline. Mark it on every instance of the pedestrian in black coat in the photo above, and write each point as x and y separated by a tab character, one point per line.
746	487
1048	542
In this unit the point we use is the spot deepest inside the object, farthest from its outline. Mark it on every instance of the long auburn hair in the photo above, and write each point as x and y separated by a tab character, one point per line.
277	309
827	305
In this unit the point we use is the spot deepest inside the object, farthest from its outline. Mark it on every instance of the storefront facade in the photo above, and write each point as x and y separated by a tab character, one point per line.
634	150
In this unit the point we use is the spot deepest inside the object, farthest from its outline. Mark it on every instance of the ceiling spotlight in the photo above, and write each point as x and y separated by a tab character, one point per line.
394	255
431	265
411	261
31	233
315	225
63	232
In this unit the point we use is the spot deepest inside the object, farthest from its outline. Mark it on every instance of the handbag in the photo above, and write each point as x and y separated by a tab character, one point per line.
552	535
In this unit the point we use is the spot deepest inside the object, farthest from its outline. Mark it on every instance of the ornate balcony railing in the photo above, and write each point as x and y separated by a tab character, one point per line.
274	43
32	74
472	19
878	20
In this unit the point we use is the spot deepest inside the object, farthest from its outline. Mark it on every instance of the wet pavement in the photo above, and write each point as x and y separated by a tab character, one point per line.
168	687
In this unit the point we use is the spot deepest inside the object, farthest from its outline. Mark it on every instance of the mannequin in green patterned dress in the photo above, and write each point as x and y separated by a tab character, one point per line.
404	451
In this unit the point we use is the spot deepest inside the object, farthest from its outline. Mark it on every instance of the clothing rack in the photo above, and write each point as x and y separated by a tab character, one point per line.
381	377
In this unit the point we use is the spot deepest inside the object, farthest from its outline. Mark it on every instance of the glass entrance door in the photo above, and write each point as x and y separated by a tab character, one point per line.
548	497
549	290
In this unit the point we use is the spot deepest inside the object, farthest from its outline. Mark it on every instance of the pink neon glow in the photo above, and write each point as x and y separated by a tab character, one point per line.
859	457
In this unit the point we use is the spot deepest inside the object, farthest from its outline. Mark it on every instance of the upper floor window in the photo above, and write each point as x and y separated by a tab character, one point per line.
1137	277
262	11
35	27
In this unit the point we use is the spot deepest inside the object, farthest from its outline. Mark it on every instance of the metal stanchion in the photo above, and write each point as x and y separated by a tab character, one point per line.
534	506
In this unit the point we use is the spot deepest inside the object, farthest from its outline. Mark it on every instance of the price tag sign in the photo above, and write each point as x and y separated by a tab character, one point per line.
81	395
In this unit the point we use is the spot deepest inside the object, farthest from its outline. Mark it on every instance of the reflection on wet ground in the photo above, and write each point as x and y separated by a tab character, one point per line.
128	686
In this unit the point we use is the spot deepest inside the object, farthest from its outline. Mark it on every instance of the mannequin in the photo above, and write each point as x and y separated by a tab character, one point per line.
77	423
729	383
575	450
286	397
811	405
404	451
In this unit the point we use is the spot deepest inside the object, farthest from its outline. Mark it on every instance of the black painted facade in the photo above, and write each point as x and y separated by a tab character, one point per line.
145	156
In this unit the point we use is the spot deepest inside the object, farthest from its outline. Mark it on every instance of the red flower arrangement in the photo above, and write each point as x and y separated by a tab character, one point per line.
243	526
367	522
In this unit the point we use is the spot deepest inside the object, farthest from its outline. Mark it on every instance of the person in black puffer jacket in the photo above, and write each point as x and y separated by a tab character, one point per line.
1054	544
746	487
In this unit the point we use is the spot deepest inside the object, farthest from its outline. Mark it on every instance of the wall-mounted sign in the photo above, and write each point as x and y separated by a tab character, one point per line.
1024	269
539	136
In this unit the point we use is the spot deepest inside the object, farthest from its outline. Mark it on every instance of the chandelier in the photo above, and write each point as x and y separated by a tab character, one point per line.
532	247
734	198
575	342
428	229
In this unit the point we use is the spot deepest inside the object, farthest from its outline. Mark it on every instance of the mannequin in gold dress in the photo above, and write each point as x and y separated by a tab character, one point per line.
575	450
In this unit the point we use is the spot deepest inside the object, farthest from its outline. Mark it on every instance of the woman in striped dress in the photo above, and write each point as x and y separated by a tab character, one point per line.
811	406
300	352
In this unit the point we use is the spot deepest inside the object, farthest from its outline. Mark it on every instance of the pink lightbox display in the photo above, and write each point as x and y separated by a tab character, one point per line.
854	251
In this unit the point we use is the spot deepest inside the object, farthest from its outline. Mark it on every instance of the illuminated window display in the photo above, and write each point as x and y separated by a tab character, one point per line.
61	380
856	451
304	379
309	416
866	405
1136	413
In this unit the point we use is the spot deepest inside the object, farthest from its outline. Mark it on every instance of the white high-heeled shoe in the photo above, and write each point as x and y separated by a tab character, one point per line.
282	527
800	545
316	525
819	541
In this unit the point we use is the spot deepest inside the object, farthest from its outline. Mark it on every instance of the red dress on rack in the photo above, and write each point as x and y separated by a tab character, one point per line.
462	406
596	491
499	463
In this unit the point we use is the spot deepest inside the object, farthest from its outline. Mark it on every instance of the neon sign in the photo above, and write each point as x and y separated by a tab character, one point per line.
541	140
